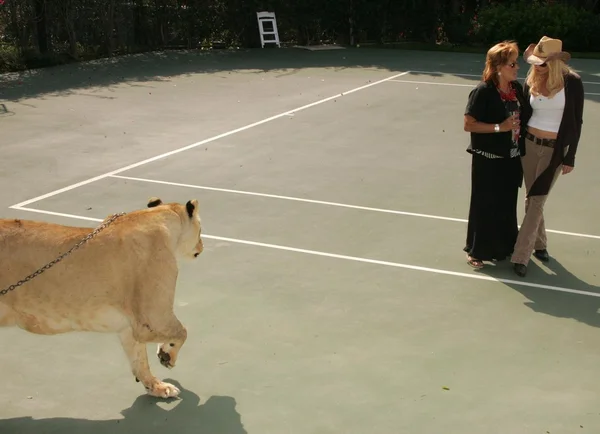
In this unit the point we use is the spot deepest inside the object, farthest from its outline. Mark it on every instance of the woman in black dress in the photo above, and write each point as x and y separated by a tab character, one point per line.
495	115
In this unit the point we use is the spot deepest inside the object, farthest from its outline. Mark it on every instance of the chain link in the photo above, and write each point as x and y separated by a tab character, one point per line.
49	265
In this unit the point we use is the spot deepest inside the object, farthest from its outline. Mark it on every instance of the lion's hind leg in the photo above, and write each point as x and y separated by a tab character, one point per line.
8	317
138	359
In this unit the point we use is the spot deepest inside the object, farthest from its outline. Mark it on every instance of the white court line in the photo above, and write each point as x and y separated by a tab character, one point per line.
322	202
455	84
479	75
434	82
358	259
193	145
297	199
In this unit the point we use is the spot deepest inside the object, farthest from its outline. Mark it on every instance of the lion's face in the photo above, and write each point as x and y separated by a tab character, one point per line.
190	242
195	232
191	239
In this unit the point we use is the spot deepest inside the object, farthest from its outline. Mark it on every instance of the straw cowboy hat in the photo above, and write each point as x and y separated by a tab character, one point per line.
545	50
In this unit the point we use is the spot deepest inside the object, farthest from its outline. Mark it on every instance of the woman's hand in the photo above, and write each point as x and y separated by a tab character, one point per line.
471	125
510	123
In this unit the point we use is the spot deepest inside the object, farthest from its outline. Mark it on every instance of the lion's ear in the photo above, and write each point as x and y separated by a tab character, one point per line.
192	207
154	201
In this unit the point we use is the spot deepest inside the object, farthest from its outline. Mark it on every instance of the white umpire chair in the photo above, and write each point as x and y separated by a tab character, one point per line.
267	26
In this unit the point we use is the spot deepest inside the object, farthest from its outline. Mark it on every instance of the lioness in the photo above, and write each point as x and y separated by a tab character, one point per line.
121	281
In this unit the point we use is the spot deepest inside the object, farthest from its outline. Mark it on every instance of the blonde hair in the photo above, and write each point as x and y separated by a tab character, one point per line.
498	56
554	79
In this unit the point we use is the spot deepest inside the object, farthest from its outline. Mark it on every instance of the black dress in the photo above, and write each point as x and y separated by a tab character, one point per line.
496	176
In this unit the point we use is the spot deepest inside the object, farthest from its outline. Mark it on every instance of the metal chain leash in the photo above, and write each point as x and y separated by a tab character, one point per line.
49	265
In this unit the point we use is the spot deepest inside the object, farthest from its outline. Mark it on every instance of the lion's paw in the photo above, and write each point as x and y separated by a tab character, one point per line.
165	357
164	390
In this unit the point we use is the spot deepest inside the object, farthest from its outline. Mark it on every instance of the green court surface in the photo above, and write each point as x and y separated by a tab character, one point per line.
333	295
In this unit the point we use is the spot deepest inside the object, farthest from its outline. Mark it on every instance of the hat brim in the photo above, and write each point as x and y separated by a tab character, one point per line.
535	60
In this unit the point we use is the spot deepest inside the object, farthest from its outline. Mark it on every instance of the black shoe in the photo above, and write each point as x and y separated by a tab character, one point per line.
542	255
520	269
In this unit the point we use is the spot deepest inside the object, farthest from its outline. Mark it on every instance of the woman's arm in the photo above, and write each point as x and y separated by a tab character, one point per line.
472	125
578	96
476	109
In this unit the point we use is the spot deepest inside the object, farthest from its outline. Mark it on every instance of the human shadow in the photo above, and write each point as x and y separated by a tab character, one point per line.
556	302
217	415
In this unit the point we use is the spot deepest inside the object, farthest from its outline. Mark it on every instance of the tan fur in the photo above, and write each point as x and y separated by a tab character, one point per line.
122	281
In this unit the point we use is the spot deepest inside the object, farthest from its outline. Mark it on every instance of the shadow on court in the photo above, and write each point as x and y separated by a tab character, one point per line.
217	415
582	308
160	66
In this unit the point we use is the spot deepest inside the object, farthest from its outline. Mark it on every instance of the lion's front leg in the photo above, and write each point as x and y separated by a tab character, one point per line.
168	332
153	318
138	359
167	352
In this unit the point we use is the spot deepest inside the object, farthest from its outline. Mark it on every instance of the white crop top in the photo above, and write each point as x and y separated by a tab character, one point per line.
547	112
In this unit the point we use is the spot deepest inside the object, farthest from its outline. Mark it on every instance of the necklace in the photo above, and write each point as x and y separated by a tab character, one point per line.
510	95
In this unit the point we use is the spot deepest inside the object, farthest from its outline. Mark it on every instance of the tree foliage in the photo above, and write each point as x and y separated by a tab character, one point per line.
41	32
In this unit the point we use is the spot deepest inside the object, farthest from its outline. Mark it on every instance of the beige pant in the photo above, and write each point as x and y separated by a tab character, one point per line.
532	234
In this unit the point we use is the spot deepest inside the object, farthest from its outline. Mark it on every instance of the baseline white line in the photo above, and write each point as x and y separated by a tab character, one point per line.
445	73
322	202
478	75
455	84
59	214
358	259
211	139
433	82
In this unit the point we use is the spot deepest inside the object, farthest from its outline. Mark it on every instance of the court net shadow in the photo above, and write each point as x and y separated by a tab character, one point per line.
144	68
157	66
581	308
162	66
217	415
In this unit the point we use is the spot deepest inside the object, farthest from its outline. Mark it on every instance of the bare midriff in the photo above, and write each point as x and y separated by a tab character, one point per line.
541	133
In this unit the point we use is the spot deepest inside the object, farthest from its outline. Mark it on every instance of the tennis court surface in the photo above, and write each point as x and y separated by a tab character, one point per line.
333	295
